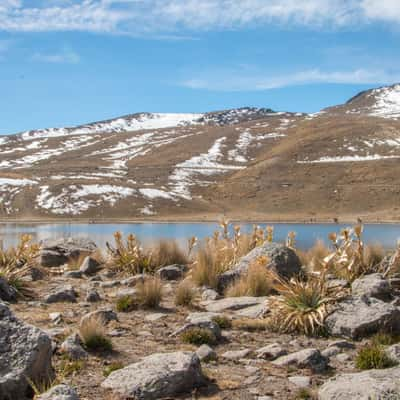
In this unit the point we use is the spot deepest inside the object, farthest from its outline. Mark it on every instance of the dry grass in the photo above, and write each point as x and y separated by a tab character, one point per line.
251	325
373	255
93	334
185	294
149	293
313	258
76	262
198	336
167	252
255	283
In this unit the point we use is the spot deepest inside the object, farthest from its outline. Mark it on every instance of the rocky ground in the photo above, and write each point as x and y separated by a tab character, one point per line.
247	362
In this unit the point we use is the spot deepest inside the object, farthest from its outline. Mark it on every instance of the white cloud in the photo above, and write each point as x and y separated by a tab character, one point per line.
66	56
242	81
171	16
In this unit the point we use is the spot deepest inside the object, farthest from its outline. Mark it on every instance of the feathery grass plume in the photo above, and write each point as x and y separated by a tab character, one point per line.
93	334
192	241
166	252
301	306
373	356
291	240
185	294
129	256
270	234
149	293
16	264
314	257
373	255
394	262
255	282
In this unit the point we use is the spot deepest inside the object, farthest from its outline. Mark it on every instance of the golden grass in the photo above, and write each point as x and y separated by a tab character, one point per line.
255	283
93	334
185	294
149	293
314	257
251	325
167	252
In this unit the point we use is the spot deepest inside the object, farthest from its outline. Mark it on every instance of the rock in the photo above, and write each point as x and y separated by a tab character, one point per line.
357	317
283	260
236	354
62	294
171	272
373	285
232	303
206	353
337	283
300	381
89	266
253	312
393	352
75	274
209	294
60	392
72	346
200	320
157	376
93	296
271	352
55	317
372	384
343	357
109	284
58	252
155	317
7	292
307	358
105	315
337	347
25	353
134	280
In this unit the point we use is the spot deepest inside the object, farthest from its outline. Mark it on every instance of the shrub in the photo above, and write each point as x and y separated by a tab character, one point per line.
185	294
222	321
125	303
255	283
16	264
198	336
167	252
373	356
92	333
115	366
149	293
301	305
385	339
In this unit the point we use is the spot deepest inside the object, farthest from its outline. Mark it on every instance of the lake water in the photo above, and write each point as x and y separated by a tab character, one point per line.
307	234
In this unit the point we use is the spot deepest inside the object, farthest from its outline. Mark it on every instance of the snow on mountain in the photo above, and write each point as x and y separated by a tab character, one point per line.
387	102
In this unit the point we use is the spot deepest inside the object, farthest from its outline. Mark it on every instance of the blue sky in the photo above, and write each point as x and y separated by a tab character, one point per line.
65	62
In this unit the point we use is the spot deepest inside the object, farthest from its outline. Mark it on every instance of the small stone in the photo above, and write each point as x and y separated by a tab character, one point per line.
236	354
72	346
62	294
300	381
307	358
209	294
59	392
271	352
154	317
206	353
343	357
76	274
171	272
89	266
93	296
109	284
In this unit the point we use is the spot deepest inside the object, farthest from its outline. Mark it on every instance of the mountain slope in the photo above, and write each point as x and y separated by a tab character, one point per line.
247	163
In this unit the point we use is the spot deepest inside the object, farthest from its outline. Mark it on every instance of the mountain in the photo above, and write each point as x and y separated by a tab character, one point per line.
248	163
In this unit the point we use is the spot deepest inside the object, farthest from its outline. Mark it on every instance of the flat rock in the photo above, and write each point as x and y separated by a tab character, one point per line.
300	381
253	312
206	353
25	353
200	320
372	285
236	354
60	392
372	384
171	272
271	352
307	358
357	317
62	294
157	376
232	303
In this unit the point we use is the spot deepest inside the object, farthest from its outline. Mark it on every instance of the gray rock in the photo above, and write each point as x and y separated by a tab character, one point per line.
253	312
337	283
393	352
60	392
206	353
157	376
232	303
7	292
209	294
271	352
58	252
373	285
75	274
109	284
357	317
72	346
92	296
337	347
343	357
155	317
283	260
236	354
25	353
367	385
171	272
89	266
105	315
134	280
55	317
307	358
300	381
200	320
62	294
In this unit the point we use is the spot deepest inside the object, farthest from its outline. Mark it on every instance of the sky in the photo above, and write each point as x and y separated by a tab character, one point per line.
67	62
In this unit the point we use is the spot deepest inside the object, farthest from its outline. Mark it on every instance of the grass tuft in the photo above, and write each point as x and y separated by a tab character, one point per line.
198	336
222	321
149	293
185	294
373	356
92	333
115	366
125	303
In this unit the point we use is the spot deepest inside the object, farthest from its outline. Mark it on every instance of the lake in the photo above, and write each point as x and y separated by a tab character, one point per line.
307	234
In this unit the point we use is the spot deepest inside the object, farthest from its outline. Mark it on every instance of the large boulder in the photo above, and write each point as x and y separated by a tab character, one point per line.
373	285
157	376
357	317
283	260
60	392
373	384
25	354
57	252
